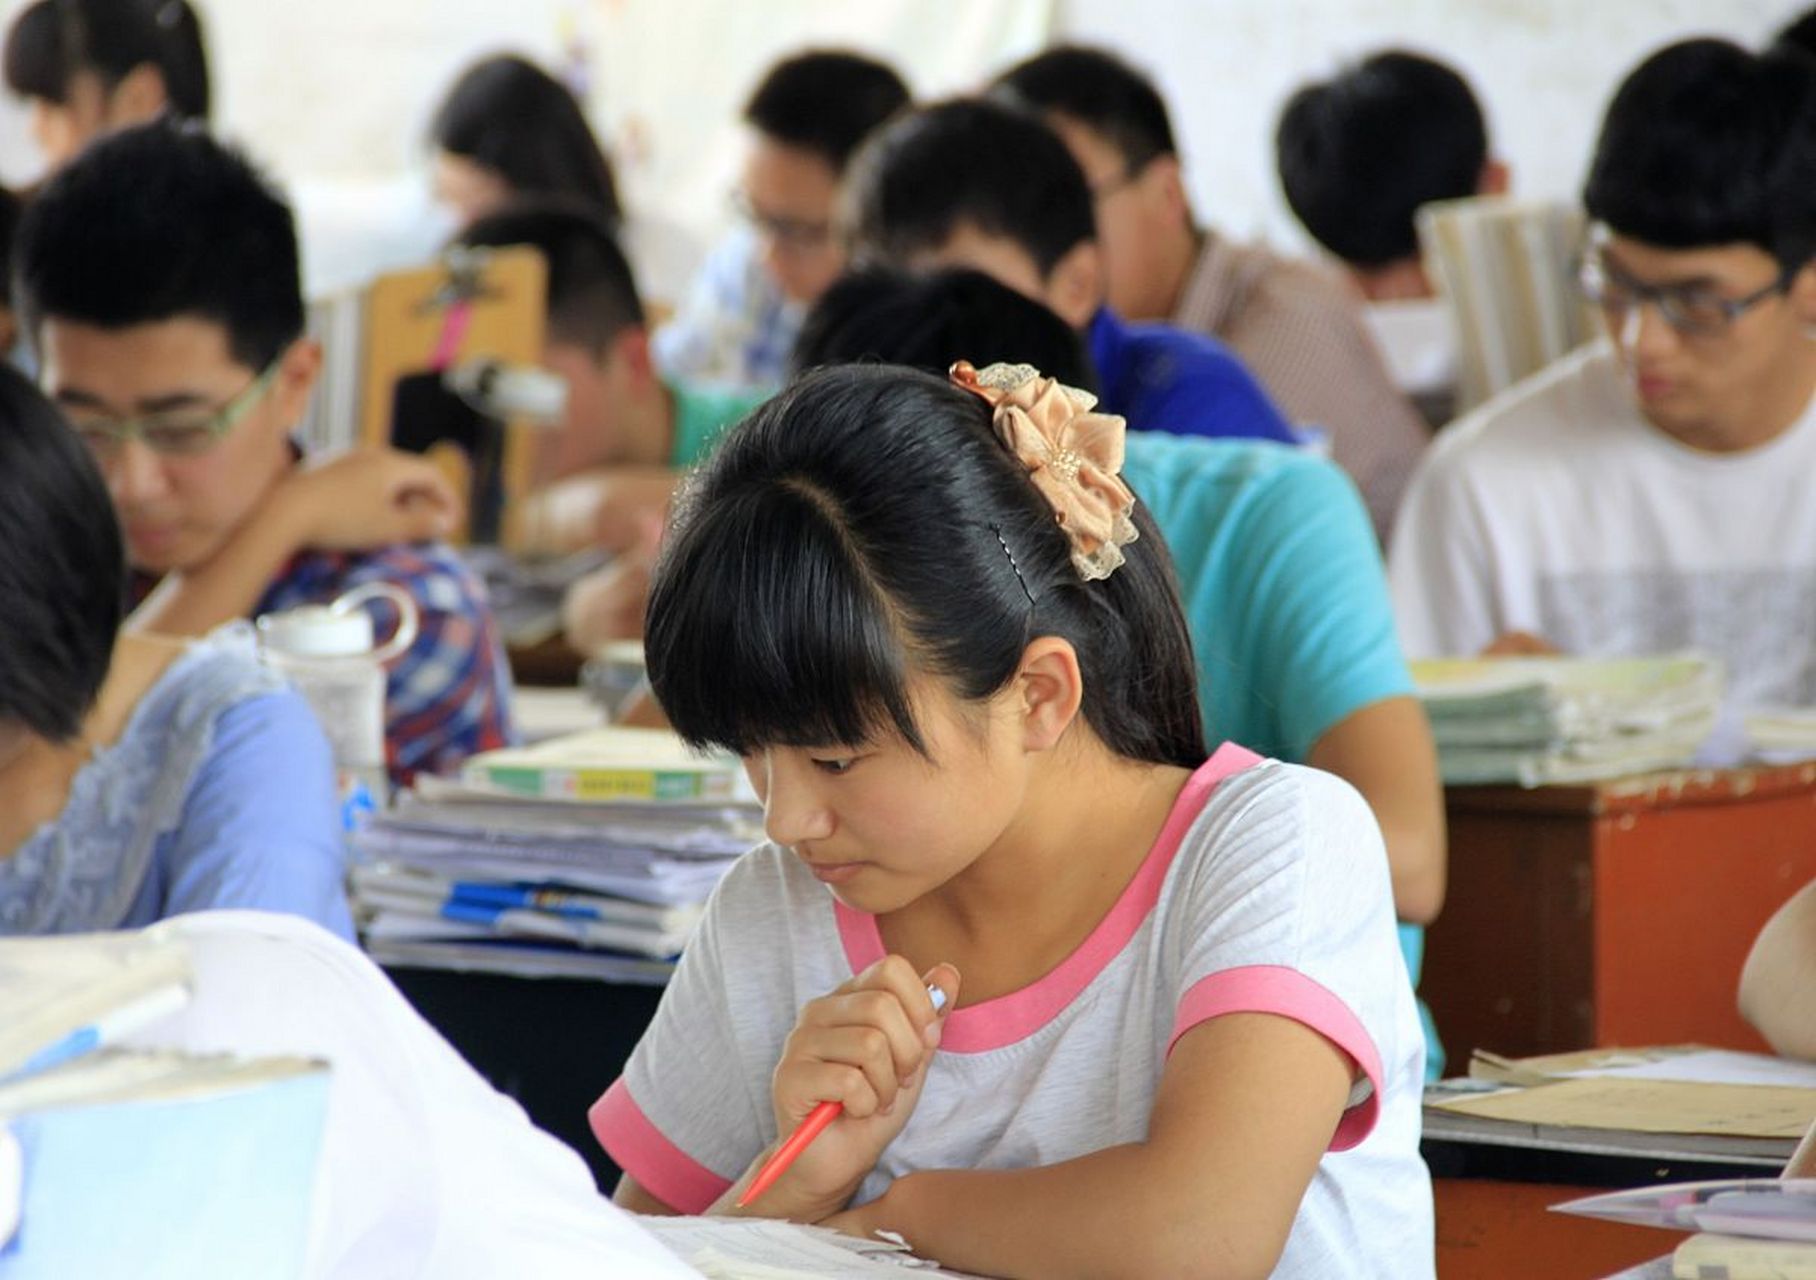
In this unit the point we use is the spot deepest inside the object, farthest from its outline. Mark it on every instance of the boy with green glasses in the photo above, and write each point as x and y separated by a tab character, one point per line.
1651	492
157	279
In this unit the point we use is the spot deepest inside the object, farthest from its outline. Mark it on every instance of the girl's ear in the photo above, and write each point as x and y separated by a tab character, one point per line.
1049	689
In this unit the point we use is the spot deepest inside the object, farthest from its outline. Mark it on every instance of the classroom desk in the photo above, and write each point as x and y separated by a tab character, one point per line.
1493	1201
1614	913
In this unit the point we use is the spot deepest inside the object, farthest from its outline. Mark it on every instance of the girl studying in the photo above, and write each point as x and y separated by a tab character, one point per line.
1177	1036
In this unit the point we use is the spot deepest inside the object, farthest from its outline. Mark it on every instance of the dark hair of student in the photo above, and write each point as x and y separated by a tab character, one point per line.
53	41
864	526
156	222
1799	35
1708	144
928	322
508	115
62	568
1361	152
1100	91
825	101
592	294
967	162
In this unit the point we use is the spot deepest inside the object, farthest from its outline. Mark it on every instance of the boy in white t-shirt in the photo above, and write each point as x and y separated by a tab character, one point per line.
1652	492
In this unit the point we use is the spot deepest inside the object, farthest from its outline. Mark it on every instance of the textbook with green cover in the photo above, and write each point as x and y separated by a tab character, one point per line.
610	764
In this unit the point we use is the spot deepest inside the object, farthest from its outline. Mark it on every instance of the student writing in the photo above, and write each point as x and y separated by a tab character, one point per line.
1182	1040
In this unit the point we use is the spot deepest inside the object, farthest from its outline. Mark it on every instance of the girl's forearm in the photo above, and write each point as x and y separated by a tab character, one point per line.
1116	1212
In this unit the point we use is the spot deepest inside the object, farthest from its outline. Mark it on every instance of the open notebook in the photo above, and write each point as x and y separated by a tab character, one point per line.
760	1249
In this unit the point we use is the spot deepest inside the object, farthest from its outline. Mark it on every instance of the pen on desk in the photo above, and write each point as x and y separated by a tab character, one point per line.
809	1129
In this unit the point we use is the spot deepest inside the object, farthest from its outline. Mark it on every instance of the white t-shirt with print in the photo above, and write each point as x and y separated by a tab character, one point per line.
1267	891
1558	509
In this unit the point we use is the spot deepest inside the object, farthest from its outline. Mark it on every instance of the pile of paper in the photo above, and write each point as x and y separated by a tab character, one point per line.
1555	719
1782	735
506	871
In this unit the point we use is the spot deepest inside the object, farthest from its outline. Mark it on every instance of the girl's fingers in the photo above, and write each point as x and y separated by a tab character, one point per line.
809	1083
877	1012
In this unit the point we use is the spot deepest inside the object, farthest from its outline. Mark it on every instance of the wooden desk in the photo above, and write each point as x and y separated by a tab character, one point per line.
1617	913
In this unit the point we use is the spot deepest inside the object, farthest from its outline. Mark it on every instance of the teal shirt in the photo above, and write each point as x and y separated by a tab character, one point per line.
1285	595
1282	584
702	415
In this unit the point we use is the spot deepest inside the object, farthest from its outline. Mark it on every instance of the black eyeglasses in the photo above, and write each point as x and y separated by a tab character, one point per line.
794	234
1689	308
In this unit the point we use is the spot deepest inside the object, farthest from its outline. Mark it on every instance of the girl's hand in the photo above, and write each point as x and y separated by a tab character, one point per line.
368	498
866	1046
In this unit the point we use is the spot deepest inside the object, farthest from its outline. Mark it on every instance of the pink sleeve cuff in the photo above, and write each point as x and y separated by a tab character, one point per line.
640	1149
1276	989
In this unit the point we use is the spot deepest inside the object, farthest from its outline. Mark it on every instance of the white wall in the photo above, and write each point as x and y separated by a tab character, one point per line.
334	94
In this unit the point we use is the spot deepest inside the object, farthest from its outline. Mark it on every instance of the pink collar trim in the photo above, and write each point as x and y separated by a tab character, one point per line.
1003	1021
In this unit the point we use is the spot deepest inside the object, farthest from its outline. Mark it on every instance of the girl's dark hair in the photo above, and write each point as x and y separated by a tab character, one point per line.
866	524
514	118
53	41
62	568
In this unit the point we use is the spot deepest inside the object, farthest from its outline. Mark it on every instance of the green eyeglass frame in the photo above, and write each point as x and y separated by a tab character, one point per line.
177	434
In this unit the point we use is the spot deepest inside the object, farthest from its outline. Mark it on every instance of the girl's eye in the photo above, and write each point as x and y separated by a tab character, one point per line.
838	766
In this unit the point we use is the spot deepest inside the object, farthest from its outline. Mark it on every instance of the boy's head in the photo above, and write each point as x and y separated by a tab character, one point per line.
973	183
62	574
1702	199
1360	153
928	322
596	337
1115	124
90	66
156	276
808	116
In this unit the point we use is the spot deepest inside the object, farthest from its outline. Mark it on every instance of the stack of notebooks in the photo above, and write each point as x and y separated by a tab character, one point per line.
117	1161
1535	721
590	855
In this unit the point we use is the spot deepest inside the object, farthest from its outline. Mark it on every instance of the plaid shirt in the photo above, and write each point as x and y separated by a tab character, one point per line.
449	694
1302	335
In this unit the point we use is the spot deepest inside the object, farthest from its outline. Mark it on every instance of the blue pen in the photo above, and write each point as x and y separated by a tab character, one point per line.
106	1029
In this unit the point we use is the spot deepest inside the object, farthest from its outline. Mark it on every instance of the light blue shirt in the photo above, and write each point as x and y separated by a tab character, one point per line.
220	792
735	329
1285	595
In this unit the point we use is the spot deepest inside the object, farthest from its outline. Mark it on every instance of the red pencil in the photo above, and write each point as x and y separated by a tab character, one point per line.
809	1129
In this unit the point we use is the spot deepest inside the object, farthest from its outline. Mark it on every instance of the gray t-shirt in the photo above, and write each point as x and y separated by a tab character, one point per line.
1267	891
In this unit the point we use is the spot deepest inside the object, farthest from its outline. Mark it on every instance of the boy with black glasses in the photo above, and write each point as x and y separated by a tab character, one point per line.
157	279
1651	492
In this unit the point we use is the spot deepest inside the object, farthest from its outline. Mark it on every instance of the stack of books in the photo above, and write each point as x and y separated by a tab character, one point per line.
590	855
1544	720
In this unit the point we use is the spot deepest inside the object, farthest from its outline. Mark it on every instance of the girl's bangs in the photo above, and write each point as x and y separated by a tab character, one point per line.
763	630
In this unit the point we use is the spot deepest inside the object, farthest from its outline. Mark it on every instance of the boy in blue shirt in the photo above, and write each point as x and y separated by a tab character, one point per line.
971	183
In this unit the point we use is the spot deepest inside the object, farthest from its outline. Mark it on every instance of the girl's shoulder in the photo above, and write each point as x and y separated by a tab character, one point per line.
1273	818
